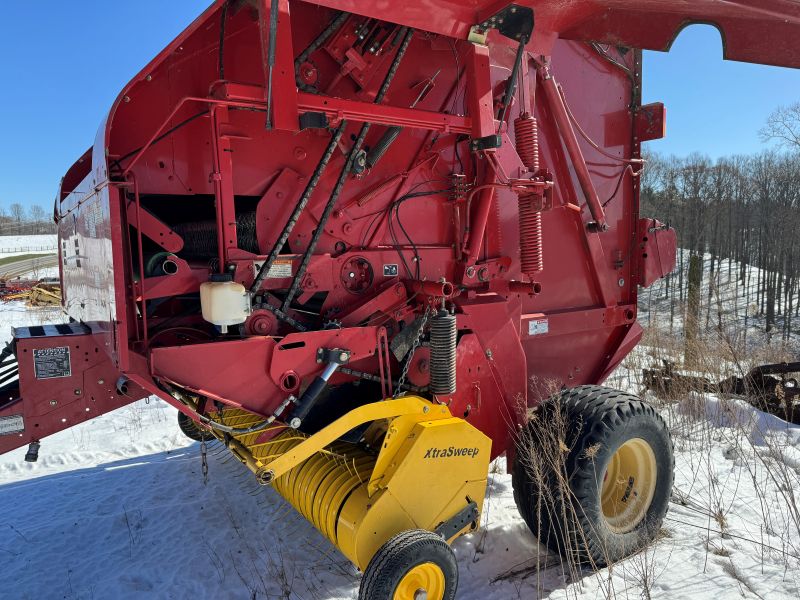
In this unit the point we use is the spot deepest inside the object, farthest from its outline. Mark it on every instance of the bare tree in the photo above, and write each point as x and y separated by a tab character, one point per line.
36	213
17	212
783	126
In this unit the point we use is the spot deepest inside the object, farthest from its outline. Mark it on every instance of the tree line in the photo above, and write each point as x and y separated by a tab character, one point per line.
742	208
19	220
737	214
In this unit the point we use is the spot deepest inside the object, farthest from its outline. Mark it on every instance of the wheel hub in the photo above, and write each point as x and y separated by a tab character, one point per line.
423	582
629	485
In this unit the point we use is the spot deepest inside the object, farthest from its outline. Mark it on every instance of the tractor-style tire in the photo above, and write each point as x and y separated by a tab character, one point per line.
410	563
593	474
191	430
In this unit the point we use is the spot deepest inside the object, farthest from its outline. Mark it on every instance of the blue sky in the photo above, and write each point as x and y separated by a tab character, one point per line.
63	64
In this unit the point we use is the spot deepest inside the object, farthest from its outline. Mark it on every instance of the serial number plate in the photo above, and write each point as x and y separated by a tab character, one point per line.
49	363
11	424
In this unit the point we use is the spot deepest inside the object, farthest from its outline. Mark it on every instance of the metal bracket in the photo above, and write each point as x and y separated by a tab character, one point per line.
335	356
313	120
486	143
514	22
468	514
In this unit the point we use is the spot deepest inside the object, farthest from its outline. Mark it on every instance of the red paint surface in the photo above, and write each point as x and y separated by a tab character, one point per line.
181	145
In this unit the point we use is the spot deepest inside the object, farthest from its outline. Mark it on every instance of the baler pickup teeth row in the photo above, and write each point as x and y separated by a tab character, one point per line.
360	496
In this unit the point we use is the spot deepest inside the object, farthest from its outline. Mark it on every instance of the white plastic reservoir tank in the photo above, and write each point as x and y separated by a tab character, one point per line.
224	302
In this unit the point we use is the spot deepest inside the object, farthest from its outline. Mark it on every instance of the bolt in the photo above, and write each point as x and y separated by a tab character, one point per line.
343	356
100	382
295	423
149	78
489	354
78	392
53	402
425	409
471	272
621	282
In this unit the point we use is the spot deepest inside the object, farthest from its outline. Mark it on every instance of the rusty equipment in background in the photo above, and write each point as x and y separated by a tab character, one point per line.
771	387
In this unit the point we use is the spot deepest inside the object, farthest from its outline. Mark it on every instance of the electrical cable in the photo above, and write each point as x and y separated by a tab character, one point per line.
592	143
627	169
604	53
167	133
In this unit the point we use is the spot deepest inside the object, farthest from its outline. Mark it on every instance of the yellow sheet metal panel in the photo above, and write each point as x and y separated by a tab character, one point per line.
397	433
438	469
367	413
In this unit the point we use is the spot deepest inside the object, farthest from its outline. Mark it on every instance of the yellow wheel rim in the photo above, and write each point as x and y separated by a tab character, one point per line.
423	582
629	484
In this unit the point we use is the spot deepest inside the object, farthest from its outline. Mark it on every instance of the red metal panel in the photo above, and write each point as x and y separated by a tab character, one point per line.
657	252
196	154
82	387
651	122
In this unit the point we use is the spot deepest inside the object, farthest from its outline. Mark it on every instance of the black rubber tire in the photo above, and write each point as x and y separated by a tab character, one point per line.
402	553
596	422
191	430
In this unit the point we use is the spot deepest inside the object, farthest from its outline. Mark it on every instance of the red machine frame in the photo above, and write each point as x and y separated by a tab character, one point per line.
180	132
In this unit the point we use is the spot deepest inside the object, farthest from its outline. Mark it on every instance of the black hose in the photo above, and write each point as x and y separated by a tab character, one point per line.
512	84
223	18
273	35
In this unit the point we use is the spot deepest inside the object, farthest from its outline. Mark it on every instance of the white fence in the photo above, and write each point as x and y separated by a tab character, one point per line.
29	249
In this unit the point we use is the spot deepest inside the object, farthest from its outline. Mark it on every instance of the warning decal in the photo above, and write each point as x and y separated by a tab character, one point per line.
280	269
49	363
538	327
11	424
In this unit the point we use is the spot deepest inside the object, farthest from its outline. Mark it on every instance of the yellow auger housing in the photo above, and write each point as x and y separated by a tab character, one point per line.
425	470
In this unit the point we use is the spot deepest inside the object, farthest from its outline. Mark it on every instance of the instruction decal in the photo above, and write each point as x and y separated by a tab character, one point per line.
538	327
11	424
50	363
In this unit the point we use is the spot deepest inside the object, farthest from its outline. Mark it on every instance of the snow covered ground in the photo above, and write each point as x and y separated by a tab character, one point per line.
13	245
117	508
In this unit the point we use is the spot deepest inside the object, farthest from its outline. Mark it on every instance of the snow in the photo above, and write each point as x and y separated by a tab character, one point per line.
117	508
15	245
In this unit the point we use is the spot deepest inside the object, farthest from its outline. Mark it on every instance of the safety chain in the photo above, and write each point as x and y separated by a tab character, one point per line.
414	346
204	459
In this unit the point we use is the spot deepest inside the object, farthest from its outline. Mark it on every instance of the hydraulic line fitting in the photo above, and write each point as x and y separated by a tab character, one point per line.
335	358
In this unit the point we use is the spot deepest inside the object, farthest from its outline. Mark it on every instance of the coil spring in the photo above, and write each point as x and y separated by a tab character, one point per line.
526	132
530	235
443	353
530	219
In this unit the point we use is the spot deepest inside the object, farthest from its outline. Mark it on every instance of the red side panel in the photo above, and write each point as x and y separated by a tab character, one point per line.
658	250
